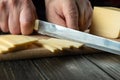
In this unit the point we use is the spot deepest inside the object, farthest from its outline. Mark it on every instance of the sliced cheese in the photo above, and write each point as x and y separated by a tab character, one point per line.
3	49
106	22
15	42
54	44
66	43
59	42
48	46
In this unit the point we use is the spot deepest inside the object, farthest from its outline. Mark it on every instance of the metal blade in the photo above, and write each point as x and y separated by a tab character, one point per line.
90	40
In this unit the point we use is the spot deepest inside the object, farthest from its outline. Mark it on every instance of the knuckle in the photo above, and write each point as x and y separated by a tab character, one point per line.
15	30
27	1
73	13
72	10
12	2
2	4
4	28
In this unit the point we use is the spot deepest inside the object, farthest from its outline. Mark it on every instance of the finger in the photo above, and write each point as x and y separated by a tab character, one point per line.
13	19
4	24
85	12
27	20
82	20
55	16
14	25
4	17
81	9
90	12
70	12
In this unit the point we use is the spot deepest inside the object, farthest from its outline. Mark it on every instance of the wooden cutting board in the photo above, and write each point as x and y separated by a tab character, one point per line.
35	51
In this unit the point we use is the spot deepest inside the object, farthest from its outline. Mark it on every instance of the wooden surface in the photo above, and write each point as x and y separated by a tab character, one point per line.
99	66
95	65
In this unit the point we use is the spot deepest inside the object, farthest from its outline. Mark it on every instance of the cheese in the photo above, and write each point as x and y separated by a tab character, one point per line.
15	42
54	44
66	43
106	22
47	45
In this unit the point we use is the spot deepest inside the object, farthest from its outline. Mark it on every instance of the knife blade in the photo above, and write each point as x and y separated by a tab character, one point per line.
97	42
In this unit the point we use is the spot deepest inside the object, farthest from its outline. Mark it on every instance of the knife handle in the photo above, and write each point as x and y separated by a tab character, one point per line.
36	25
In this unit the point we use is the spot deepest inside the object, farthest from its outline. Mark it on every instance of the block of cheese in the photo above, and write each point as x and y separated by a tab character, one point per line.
106	22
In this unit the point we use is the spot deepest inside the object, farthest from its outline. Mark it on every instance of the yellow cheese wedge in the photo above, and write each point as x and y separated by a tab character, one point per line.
106	22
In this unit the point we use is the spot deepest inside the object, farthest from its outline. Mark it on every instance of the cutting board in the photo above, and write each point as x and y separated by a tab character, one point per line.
35	51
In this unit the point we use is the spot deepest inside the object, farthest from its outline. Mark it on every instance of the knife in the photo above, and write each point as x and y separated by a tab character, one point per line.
100	43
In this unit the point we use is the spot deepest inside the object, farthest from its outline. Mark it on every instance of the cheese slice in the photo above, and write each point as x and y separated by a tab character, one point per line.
15	42
66	43
54	44
47	45
106	22
3	49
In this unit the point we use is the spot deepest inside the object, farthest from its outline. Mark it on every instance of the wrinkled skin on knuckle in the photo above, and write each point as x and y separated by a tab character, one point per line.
72	11
71	8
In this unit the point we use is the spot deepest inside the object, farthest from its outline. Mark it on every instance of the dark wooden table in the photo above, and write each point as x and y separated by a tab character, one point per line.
99	66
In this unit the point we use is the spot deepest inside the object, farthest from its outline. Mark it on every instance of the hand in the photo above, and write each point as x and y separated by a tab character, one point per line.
17	16
75	14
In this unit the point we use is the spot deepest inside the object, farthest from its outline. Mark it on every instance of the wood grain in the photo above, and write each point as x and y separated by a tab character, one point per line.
55	68
107	62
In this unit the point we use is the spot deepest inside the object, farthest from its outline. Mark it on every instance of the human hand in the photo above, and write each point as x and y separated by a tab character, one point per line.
75	14
17	16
